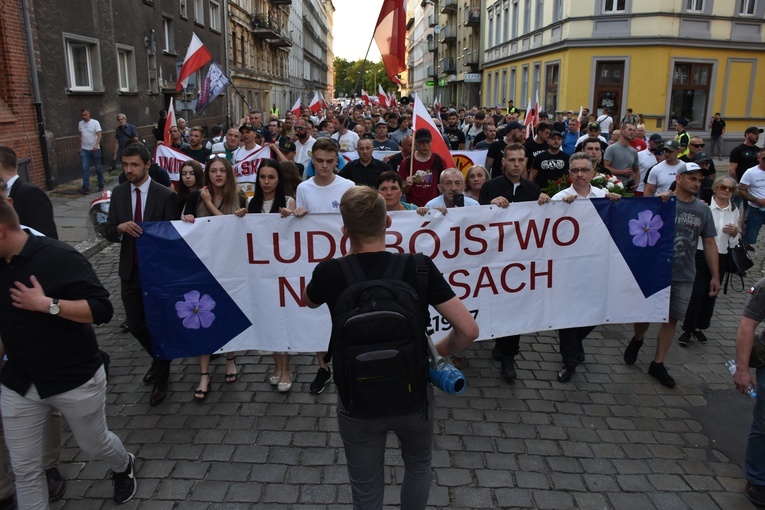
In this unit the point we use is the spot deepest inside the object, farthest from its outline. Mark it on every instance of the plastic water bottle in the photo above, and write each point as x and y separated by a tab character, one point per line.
731	366
444	375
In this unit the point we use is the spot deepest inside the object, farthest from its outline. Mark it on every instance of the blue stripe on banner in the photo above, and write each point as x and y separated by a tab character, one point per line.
643	230
182	300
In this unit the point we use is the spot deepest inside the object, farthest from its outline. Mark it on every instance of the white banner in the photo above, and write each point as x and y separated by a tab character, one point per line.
171	160
519	270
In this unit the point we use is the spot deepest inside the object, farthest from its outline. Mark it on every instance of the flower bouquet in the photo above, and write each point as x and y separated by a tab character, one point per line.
609	183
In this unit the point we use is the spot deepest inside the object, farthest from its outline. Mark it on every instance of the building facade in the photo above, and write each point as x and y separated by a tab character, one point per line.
89	57
689	58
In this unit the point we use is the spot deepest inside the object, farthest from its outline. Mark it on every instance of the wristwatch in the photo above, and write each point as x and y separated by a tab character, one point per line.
53	308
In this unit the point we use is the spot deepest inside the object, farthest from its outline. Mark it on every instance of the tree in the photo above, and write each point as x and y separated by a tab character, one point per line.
347	76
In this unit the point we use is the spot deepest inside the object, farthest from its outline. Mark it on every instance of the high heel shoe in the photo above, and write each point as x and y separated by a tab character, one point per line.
231	376
284	387
201	394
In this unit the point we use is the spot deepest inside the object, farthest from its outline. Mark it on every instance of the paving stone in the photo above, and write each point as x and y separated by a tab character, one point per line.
624	501
513	498
526	480
494	478
553	500
470	497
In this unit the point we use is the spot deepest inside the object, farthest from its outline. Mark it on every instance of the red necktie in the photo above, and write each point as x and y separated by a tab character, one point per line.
137	217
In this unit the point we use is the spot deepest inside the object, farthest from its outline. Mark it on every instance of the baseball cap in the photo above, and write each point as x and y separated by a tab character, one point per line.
286	146
246	127
682	121
556	133
593	125
659	147
671	145
702	156
381	122
422	135
259	130
689	167
753	129
656	138
513	125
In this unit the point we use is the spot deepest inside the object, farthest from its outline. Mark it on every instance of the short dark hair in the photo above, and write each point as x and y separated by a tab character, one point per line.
8	158
325	144
137	149
390	176
514	147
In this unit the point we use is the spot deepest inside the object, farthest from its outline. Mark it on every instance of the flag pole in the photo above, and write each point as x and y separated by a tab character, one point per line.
234	87
363	63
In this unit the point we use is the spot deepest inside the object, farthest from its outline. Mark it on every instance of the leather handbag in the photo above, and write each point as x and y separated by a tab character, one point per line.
738	264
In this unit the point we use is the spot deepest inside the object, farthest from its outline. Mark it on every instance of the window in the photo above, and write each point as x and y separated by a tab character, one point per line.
490	39
694	6
126	69
83	62
526	16
199	11
168	35
551	88
746	7
496	88
614	5
184	9
558	10
504	86
524	83
540	14
488	89
507	22
498	33
512	84
536	83
690	93
214	16
515	19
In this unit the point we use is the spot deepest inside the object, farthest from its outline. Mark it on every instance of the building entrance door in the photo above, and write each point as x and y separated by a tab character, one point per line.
609	83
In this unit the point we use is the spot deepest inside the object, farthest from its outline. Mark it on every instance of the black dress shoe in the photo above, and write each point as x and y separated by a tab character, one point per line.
151	374
565	374
496	353
8	503
159	393
580	356
507	368
124	326
56	484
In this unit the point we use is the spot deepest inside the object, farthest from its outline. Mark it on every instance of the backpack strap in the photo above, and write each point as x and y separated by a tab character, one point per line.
351	270
422	282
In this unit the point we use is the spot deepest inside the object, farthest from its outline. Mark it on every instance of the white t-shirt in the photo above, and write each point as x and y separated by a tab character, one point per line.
605	123
585	137
303	151
322	199
241	154
594	193
89	134
754	178
347	141
663	175
646	159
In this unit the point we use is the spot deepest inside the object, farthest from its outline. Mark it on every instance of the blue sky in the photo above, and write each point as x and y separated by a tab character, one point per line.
354	25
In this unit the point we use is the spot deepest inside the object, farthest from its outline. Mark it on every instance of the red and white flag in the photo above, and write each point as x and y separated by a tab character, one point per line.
422	119
528	119
296	108
382	96
323	101
365	97
391	99
169	122
536	110
581	111
390	36
196	57
171	160
315	105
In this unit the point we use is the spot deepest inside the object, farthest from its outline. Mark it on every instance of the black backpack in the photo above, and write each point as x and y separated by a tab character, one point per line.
378	340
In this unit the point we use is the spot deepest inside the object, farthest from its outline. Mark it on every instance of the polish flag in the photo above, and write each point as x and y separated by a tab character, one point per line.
422	119
528	119
390	36
170	122
323	102
382	96
365	97
296	108
315	105
536	110
581	111
391	99
196	57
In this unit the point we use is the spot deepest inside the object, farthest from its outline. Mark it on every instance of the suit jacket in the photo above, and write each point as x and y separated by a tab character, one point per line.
160	206
33	207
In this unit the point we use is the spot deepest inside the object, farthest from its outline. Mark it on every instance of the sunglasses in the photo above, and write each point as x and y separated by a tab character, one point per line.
658	153
697	145
727	188
299	128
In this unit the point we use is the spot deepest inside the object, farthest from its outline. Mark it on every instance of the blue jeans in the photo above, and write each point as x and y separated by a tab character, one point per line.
716	144
755	447
752	223
86	157
364	440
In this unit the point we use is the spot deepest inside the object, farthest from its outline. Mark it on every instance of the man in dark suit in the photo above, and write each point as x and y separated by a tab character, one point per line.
139	199
31	203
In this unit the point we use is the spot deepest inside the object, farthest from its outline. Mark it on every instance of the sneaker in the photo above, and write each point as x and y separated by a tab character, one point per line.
507	368
685	339
756	494
100	187
631	352
84	191
700	336
124	483
496	353
658	371
320	381
56	484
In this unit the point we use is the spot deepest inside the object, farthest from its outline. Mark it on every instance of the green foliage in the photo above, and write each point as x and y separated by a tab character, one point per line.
347	74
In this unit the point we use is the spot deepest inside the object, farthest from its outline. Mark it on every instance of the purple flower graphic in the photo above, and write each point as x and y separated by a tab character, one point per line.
335	204
195	311
645	229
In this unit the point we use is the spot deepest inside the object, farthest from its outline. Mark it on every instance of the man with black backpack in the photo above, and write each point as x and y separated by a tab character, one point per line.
378	301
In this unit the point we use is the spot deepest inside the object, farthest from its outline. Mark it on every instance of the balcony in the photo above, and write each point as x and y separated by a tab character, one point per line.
429	71
281	2
432	45
472	17
448	35
265	26
282	41
471	60
431	20
448	5
448	66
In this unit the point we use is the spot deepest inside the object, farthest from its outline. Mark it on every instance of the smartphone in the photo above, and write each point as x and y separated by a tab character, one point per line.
459	200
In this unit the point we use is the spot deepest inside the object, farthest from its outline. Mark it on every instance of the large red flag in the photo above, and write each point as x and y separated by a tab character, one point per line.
169	122
196	57
422	119
296	107
390	36
365	97
382	96
315	104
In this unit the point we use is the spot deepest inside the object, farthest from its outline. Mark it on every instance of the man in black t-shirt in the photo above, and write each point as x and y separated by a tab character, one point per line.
537	144
365	220
513	134
744	156
550	164
716	132
196	149
453	135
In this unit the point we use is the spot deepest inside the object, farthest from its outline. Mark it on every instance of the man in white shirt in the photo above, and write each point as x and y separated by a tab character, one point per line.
752	188
303	142
451	184
663	175
90	150
345	138
606	124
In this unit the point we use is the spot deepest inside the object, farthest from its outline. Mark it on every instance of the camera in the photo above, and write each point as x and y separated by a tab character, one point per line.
443	375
